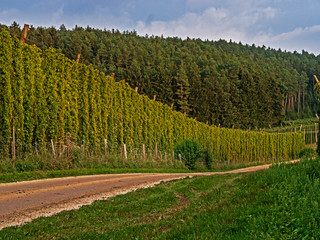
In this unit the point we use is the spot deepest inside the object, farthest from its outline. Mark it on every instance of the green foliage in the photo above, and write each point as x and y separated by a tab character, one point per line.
54	96
6	97
307	152
190	151
207	156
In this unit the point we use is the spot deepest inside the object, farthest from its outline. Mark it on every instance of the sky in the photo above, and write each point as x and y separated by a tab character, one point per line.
292	25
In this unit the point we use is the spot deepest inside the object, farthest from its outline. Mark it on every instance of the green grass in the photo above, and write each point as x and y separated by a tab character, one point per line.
34	175
17	176
280	203
31	167
46	162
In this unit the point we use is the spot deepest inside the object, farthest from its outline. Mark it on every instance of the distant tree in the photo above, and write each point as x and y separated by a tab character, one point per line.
183	90
15	29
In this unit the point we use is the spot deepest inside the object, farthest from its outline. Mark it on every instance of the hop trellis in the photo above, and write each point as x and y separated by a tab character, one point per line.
45	96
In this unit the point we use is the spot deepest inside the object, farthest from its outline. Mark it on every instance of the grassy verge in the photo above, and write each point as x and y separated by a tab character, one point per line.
16	176
45	166
39	166
34	175
280	203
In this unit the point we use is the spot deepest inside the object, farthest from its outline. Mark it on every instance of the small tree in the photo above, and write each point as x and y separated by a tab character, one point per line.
190	151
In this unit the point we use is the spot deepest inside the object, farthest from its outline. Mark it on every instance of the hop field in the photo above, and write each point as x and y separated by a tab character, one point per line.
46	97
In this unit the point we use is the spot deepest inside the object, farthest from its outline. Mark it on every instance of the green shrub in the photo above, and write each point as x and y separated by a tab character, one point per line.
25	166
190	151
207	157
307	152
76	155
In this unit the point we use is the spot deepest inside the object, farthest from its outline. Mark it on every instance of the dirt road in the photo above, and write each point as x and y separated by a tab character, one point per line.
23	201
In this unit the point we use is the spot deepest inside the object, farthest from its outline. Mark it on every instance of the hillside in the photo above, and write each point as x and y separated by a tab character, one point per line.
47	96
221	82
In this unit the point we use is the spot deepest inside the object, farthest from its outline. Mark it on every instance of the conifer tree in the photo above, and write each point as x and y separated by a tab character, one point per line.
183	90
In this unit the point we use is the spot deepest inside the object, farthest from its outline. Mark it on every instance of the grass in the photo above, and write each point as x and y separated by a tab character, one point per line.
280	203
46	161
39	166
34	175
16	175
30	167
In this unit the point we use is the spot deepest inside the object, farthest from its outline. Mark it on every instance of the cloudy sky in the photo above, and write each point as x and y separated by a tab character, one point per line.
286	24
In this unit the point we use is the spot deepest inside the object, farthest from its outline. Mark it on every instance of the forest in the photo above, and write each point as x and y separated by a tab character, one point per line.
230	84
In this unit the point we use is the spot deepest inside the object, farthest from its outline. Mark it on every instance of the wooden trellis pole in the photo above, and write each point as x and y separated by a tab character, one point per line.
24	38
78	57
53	151
143	152
125	151
106	146
24	34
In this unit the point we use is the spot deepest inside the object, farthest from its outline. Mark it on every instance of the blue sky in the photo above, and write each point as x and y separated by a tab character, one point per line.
286	24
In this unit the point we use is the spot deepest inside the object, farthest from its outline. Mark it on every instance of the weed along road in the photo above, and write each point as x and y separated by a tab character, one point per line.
21	202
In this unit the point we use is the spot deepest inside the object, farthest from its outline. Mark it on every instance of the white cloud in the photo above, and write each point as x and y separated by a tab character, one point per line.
212	23
248	26
298	39
205	25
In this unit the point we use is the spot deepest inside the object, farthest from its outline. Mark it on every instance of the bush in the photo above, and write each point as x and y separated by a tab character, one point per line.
208	158
190	151
25	166
307	152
